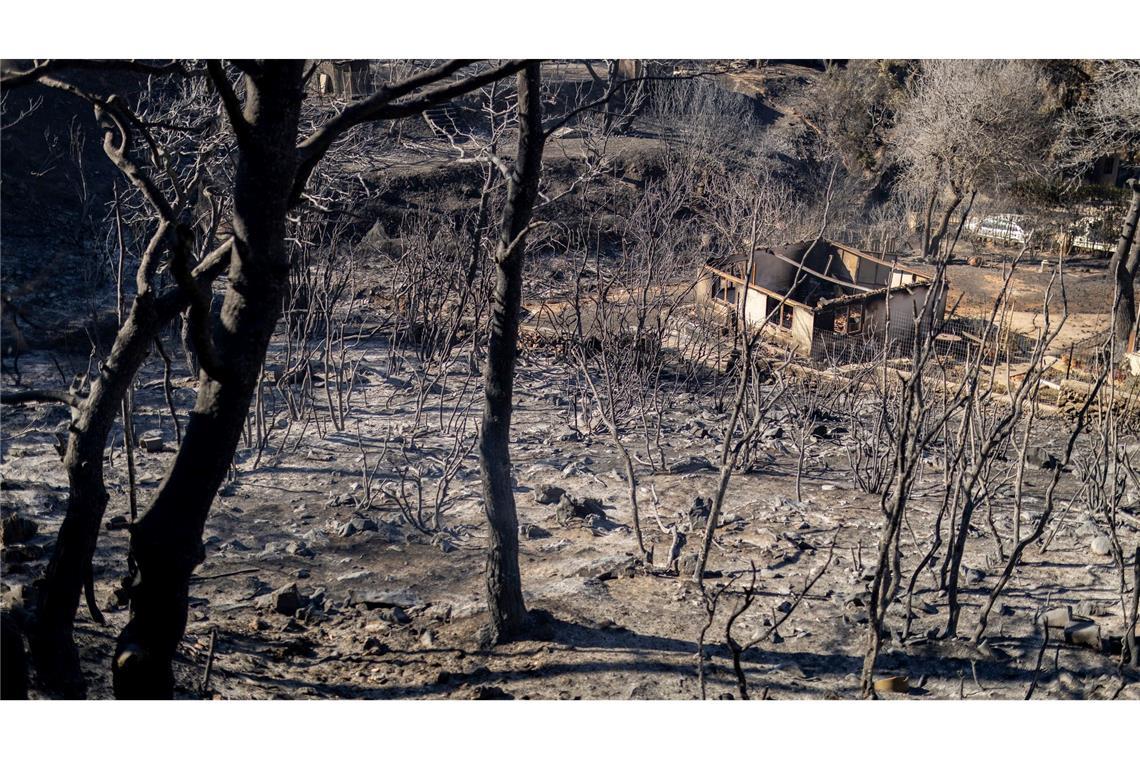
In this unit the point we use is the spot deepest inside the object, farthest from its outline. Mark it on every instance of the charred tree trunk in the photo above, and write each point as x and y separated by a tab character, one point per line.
957	550
52	642
167	540
504	585
613	78
935	240
1123	266
13	660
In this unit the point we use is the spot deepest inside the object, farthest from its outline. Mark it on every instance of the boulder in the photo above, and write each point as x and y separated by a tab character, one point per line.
393	615
1058	617
1039	457
299	549
570	508
690	465
531	531
151	442
548	493
1101	546
118	522
490	692
357	525
1090	608
285	600
403	599
1084	633
609	568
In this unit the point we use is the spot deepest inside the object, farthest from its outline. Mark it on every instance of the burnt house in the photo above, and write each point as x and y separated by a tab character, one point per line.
815	295
342	78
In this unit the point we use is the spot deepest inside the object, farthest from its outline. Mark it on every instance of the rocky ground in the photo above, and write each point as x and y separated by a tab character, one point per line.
311	589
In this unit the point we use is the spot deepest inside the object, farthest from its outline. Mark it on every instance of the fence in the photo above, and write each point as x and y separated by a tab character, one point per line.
958	341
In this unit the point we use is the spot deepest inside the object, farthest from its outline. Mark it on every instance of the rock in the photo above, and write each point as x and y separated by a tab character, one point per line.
570	508
272	548
1039	457
548	493
1005	610
531	531
285	600
118	522
357	525
1084	633
490	692
17	529
593	506
151	442
21	553
973	575
393	615
609	568
689	465
355	575
443	543
375	646
1090	608
1058	617
575	468
373	599
1101	546
299	549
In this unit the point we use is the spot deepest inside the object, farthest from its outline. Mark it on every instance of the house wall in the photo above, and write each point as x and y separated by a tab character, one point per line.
903	307
902	278
852	263
702	293
346	79
803	324
756	307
